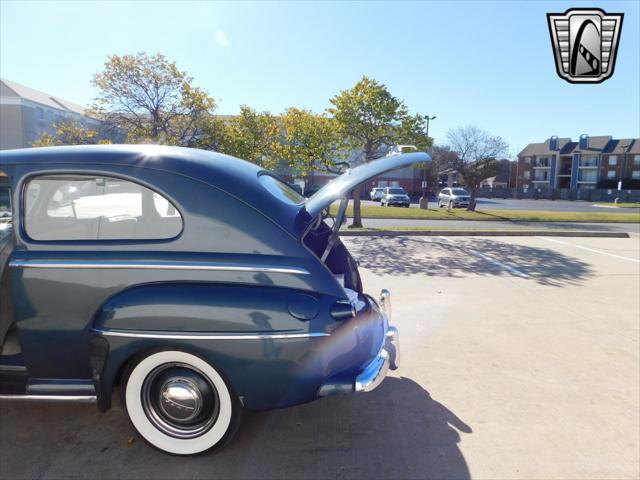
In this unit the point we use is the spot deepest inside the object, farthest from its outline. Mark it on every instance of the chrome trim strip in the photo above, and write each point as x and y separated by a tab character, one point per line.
151	265
187	336
53	398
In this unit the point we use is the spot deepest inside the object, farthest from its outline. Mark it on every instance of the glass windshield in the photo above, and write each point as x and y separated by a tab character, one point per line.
280	189
459	191
396	191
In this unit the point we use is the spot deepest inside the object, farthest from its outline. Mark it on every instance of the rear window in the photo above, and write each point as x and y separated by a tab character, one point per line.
81	207
281	190
460	191
396	191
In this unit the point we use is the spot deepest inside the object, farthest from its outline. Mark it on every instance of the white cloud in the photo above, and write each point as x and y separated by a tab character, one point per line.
221	39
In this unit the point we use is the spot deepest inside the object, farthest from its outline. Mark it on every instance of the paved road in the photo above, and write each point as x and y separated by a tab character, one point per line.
544	205
519	360
497	225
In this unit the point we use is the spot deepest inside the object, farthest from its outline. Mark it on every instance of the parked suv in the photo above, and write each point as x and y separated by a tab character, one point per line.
376	194
453	197
394	196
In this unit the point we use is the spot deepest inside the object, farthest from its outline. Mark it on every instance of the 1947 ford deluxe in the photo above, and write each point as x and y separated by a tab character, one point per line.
199	283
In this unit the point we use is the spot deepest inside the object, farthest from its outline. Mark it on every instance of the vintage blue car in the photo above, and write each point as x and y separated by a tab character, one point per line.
198	283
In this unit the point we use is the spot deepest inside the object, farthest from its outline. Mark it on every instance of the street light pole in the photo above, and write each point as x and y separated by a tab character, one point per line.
424	201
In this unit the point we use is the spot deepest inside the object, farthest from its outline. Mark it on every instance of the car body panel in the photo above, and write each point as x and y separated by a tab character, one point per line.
237	286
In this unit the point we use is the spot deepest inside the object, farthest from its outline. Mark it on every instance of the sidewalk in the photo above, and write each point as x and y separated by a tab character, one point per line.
633	228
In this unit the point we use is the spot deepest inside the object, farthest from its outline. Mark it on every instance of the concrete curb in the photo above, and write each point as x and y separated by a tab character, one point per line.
515	221
481	233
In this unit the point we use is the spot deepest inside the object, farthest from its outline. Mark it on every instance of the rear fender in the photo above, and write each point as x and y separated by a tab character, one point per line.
213	309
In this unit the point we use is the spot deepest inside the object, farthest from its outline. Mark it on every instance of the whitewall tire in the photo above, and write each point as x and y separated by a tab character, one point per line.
179	403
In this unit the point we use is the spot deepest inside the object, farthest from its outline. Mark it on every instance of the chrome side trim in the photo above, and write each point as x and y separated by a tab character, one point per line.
151	265
53	398
195	336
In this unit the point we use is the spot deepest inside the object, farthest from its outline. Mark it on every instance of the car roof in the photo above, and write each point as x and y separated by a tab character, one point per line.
232	175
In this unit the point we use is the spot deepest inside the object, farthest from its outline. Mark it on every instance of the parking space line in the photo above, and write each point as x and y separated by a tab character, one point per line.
509	268
629	259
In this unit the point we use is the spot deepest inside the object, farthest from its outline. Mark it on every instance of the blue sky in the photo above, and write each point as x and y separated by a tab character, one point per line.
486	63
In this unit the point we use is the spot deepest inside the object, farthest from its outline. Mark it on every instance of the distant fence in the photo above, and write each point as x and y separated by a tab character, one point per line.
587	194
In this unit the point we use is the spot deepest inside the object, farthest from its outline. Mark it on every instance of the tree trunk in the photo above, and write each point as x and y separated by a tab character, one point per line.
357	217
472	200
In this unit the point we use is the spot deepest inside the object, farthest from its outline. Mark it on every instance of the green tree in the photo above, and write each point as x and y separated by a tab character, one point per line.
253	136
311	142
372	119
152	100
477	156
71	132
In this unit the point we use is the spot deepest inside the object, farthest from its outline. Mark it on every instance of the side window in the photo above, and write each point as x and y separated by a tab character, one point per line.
5	194
5	206
82	207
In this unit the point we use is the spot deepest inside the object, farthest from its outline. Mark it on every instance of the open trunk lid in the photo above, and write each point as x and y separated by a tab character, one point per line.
342	185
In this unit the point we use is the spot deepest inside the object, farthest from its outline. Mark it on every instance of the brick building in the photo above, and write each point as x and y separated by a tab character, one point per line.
591	162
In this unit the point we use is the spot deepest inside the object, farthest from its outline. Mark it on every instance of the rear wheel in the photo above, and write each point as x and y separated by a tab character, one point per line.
179	403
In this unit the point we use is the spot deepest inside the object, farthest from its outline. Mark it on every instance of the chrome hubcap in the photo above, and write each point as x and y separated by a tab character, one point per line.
179	400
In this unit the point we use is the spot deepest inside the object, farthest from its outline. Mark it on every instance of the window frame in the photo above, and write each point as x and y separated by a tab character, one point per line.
22	188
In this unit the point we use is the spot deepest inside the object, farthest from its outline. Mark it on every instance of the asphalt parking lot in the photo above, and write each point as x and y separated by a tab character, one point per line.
520	359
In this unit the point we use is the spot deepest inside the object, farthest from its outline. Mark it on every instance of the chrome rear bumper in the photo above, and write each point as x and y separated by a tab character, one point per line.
376	371
388	358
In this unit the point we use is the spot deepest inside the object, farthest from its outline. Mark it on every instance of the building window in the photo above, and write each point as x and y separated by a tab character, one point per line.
587	175
613	160
541	162
635	174
541	176
636	159
611	174
88	207
528	159
588	160
525	175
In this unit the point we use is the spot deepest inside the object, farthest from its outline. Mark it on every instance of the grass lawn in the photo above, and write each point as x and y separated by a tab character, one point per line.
619	205
462	214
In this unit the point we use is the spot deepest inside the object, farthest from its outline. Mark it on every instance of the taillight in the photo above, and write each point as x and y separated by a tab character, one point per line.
343	310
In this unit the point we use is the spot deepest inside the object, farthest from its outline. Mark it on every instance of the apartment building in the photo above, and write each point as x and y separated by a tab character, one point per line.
25	114
591	162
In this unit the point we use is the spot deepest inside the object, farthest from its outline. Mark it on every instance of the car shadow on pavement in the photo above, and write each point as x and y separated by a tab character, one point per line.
456	257
396	431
